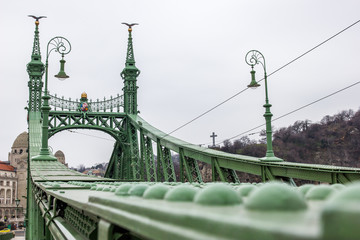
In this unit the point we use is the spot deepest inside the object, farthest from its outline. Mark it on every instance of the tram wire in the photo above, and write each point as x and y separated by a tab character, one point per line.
90	135
293	111
280	68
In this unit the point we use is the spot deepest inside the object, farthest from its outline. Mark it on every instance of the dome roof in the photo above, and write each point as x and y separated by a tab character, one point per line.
21	141
59	154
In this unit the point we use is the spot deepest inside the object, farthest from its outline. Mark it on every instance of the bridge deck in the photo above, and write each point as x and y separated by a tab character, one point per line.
156	211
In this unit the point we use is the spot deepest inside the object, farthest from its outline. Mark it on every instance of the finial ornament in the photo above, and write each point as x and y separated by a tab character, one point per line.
84	95
36	18
130	25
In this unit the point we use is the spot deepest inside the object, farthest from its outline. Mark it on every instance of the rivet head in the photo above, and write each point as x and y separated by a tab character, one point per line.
181	194
320	192
157	191
275	197
123	190
218	195
138	190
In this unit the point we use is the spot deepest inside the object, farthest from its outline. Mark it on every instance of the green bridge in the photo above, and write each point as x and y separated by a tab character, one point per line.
141	197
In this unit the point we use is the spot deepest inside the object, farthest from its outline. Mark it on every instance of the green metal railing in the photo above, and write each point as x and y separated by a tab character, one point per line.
113	104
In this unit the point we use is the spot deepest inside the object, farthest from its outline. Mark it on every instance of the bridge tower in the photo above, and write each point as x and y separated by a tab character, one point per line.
125	162
131	160
35	69
129	75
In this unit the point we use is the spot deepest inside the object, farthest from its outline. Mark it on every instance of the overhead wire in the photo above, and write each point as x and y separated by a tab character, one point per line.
293	111
90	135
280	68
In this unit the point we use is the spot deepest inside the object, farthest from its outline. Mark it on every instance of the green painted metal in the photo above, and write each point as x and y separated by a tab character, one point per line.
192	170
129	75
147	157
248	164
110	123
64	204
253	58
211	211
111	105
35	69
63	47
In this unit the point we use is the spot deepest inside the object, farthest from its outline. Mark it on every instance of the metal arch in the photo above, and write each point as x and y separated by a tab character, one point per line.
117	135
110	123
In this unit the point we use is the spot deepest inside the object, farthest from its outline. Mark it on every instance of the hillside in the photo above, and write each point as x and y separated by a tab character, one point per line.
335	140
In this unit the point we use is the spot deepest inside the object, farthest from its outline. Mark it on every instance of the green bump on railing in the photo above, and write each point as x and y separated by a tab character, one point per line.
181	194
320	192
156	192
138	190
275	197
93	188
99	188
338	186
218	195
245	190
106	189
305	188
341	214
123	190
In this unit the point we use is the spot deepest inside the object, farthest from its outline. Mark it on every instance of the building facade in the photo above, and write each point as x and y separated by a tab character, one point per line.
13	180
10	212
18	160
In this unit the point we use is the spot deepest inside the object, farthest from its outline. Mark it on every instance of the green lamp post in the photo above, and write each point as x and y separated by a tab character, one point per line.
17	202
252	58
63	47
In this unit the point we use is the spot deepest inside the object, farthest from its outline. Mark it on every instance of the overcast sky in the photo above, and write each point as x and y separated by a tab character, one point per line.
191	57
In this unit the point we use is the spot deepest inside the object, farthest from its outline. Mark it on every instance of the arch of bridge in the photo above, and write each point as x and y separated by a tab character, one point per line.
107	122
117	135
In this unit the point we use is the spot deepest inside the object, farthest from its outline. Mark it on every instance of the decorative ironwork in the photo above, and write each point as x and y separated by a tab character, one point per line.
254	57
112	104
84	224
35	69
59	44
106	122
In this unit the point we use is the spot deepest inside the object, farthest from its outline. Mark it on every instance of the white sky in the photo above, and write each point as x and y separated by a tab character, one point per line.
191	57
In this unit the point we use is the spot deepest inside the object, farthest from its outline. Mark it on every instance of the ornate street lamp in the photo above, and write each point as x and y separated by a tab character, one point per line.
63	47
17	202
252	58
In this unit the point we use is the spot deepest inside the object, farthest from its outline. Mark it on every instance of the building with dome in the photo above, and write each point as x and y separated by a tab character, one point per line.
13	175
60	157
18	160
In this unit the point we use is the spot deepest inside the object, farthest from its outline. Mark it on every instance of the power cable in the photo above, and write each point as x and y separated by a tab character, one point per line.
238	93
72	131
293	111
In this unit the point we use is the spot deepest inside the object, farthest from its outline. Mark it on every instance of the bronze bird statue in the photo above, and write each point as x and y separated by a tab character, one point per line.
36	18
130	25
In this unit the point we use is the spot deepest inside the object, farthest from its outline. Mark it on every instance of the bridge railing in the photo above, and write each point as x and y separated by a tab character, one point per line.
113	104
225	165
